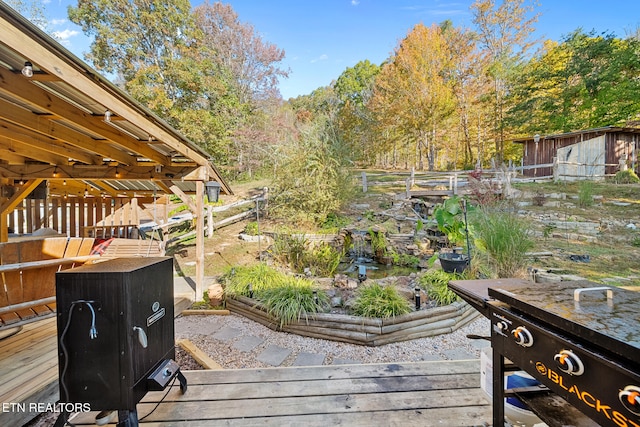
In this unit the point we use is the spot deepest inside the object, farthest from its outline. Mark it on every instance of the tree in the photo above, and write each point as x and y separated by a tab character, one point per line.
236	46
468	85
504	32
33	10
586	81
313	178
413	93
354	89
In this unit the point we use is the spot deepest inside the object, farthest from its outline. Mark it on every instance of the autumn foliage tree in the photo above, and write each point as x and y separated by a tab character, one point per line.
204	72
584	82
413	94
504	32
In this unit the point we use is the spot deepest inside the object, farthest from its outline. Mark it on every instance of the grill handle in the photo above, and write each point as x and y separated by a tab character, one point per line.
579	291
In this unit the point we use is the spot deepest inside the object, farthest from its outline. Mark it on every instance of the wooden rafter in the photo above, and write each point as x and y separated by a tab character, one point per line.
39	98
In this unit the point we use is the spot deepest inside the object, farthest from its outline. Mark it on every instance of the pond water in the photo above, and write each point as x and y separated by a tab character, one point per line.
375	270
360	259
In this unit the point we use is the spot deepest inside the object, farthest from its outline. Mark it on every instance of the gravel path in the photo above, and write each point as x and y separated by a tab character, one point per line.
228	349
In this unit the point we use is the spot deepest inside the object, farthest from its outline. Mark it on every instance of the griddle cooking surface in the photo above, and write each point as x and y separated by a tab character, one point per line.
613	325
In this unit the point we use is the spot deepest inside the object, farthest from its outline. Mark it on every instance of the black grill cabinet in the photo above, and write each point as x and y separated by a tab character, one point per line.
130	302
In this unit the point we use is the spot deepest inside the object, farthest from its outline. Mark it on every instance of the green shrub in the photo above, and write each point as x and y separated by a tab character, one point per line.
502	240
293	299
378	242
333	222
435	283
449	217
322	260
405	260
585	194
626	177
379	301
236	280
252	228
290	249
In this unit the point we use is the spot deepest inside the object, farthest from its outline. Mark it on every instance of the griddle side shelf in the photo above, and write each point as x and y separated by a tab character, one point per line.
550	408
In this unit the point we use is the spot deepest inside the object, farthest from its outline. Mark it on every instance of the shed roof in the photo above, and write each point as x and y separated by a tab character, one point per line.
69	125
600	130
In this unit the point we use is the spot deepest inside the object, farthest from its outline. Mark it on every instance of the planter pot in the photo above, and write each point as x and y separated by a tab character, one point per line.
453	262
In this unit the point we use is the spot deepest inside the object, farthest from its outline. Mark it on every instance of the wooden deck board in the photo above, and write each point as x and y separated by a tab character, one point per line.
442	393
29	369
419	393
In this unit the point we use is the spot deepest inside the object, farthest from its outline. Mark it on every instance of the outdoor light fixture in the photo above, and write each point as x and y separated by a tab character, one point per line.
86	191
536	138
107	116
315	297
417	290
21	182
55	171
64	182
117	173
27	70
250	290
213	191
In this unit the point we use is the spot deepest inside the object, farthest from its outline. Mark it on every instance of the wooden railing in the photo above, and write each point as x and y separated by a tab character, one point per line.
27	273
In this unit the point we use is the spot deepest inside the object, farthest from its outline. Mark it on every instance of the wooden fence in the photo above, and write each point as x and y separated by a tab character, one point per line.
68	216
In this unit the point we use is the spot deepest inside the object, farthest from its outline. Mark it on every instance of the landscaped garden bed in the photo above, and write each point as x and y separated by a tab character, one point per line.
362	330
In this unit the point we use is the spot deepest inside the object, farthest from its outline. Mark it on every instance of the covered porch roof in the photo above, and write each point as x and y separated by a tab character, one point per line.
62	122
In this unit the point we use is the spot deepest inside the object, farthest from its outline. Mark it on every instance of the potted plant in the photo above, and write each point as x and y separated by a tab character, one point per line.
451	221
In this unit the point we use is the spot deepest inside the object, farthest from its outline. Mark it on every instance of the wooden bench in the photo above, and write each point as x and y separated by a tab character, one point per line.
128	248
27	275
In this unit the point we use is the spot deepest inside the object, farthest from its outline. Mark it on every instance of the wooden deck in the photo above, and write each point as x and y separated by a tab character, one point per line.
423	393
28	369
443	393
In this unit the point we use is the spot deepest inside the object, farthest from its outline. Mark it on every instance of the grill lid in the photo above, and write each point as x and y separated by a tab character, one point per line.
611	324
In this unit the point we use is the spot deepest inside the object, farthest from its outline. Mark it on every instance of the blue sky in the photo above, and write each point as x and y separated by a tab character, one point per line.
321	38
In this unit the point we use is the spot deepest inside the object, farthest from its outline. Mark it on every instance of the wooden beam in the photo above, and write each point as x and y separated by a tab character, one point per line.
31	94
164	185
10	204
11	156
51	63
15	147
198	355
89	172
45	125
30	143
188	200
198	174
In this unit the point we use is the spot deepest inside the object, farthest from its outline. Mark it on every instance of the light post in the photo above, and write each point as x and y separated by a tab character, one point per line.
536	139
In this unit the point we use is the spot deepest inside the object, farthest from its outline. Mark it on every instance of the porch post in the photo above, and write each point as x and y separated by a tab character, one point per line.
199	240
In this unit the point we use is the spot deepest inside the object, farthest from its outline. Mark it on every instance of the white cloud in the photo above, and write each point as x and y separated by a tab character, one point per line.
322	57
58	21
65	35
354	2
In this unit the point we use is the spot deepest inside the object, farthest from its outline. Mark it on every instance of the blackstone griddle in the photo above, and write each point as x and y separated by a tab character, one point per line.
579	339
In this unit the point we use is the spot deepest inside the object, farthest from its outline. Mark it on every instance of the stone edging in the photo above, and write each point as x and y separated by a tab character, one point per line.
361	330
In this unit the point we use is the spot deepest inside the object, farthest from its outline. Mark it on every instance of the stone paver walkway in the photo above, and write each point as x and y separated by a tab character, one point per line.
275	355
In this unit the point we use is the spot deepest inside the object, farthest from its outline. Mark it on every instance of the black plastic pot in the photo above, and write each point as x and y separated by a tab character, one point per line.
453	262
